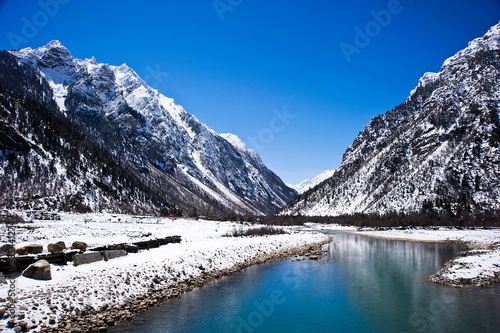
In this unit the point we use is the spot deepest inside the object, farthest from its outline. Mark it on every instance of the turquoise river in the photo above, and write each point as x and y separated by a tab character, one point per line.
361	285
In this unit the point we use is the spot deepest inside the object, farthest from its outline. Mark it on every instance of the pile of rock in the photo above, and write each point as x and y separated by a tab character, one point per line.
140	245
29	254
57	254
19	325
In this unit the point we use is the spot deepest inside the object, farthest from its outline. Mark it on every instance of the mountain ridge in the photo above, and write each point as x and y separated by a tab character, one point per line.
436	151
156	137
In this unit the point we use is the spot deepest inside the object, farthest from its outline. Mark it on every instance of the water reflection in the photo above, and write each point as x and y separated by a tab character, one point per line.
387	280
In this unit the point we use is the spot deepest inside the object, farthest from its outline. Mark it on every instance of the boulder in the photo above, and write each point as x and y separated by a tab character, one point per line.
40	270
22	251
62	244
8	250
2	278
79	246
111	254
34	248
24	325
86	258
55	248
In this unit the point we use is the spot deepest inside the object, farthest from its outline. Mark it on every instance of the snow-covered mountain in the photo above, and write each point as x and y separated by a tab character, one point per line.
307	184
155	137
438	151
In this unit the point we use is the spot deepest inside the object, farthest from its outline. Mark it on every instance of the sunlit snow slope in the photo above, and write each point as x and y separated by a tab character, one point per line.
186	163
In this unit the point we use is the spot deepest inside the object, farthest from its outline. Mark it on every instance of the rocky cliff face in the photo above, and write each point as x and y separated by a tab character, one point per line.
439	150
146	132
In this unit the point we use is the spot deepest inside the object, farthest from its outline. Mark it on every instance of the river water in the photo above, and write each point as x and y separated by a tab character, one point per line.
361	285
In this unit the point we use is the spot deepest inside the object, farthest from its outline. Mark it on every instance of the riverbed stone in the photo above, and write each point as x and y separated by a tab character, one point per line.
22	251
86	258
79	246
34	248
111	254
55	248
7	249
39	270
62	244
23	324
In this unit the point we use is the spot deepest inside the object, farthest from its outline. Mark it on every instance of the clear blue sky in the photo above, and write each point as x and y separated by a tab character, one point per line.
232	64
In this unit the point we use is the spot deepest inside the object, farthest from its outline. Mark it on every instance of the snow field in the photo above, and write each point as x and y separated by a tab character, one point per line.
203	249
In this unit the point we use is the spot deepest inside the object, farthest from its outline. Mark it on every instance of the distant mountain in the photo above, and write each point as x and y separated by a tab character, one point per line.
307	184
438	151
183	163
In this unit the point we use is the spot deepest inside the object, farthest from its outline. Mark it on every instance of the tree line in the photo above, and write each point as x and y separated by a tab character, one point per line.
389	220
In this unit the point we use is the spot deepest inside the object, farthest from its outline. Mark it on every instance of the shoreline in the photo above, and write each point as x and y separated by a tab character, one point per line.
93	297
126	310
476	266
467	245
445	275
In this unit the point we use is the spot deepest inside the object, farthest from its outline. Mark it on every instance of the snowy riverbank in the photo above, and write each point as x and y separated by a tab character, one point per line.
479	265
100	294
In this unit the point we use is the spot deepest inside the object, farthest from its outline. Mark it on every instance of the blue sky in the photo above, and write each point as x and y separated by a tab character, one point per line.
294	79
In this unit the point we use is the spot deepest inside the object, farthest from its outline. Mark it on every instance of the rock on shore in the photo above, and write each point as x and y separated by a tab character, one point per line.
39	270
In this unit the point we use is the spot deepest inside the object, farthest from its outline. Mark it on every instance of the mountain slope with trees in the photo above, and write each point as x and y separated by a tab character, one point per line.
436	152
97	137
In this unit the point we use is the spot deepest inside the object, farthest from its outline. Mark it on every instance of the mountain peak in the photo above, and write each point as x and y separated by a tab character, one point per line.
54	44
92	60
490	41
54	48
188	164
